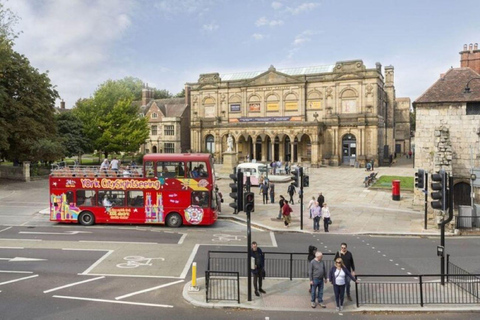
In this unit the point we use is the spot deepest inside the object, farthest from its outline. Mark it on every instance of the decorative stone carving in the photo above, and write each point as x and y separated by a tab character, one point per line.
209	78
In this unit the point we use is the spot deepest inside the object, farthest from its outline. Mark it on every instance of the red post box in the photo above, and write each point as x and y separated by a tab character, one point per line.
396	190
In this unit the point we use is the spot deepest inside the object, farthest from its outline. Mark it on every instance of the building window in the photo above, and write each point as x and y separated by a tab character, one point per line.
169	147
169	131
473	108
210	144
154	115
154	130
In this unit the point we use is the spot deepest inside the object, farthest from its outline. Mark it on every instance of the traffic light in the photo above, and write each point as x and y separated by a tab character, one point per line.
296	176
248	201
306	181
439	185
420	179
237	191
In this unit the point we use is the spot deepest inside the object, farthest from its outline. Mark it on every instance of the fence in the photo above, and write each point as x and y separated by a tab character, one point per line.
277	264
222	285
463	279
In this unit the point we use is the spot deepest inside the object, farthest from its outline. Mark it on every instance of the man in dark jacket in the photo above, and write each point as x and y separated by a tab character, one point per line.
347	258
257	265
320	200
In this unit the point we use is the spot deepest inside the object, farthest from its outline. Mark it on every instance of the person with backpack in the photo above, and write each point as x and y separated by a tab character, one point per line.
291	191
286	213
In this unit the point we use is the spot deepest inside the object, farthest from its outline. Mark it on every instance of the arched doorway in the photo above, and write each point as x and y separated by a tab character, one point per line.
349	148
258	149
287	155
461	194
154	149
276	152
210	144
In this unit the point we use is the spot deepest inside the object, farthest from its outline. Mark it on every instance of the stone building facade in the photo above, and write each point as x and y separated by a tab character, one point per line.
447	132
337	114
169	124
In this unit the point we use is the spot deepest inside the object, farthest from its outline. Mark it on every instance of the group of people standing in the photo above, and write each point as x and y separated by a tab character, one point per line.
318	208
267	189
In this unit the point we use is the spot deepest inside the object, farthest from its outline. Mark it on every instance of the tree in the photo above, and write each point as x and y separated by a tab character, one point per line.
181	94
110	119
73	139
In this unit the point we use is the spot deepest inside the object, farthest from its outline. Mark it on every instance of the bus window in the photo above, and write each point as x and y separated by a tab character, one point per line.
167	169
111	198
149	169
200	198
86	198
135	199
197	169
69	196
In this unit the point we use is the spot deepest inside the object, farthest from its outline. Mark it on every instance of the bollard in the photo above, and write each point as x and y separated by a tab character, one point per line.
194	287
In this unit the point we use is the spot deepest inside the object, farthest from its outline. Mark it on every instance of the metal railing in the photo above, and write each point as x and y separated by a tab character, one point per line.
222	285
463	279
427	289
277	264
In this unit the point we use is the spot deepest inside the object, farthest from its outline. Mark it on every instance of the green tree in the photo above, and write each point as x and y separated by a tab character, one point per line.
110	119
161	94
70	130
413	123
181	94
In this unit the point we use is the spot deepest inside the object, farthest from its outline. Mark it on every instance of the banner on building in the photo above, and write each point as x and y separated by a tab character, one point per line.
235	107
272	107
254	107
291	105
314	105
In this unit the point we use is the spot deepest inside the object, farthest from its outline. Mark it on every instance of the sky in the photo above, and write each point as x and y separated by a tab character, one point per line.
167	43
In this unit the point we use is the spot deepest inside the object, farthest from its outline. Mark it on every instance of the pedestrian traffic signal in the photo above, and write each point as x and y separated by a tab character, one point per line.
295	177
420	179
237	191
306	181
439	185
249	201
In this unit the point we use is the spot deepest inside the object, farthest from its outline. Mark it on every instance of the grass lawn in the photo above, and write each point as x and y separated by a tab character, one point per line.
385	182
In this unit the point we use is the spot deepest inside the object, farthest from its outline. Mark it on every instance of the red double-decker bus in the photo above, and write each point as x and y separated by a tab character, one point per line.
171	189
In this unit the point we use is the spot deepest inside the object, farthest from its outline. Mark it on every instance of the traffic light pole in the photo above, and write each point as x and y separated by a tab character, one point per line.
426	200
249	247
301	200
442	234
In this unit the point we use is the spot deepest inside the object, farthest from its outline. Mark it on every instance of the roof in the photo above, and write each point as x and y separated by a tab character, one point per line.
451	86
288	71
171	107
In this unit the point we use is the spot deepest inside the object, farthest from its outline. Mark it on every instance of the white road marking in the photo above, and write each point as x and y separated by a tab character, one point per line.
5	229
182	238
21	239
129	276
274	240
12	271
109	252
13	248
20	259
114	301
66	233
147	290
19	279
189	261
72	284
121	242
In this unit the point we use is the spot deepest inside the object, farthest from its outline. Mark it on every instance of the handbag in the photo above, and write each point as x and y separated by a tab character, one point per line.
330	221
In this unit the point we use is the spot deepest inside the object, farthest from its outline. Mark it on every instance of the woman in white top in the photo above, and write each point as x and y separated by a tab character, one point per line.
311	204
337	276
326	216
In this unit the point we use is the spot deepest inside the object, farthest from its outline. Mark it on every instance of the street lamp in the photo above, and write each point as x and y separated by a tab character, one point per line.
467	87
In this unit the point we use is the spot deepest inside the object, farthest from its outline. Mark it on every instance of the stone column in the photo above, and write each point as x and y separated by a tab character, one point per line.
26	171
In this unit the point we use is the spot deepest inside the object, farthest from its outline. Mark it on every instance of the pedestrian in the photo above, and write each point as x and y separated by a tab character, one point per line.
272	192
311	255
291	191
126	172
248	157
410	154
318	276
104	165
281	203
317	216
219	199
257	268
311	204
337	276
326	217
347	259
114	164
287	214
265	188
287	168
320	200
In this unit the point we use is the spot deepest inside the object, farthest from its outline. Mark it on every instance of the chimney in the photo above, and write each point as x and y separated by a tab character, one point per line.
187	95
470	57
146	95
62	105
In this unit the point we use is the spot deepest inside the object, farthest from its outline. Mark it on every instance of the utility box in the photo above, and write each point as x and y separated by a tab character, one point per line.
465	217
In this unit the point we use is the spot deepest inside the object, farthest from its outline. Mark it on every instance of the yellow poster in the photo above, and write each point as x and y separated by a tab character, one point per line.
314	105
272	106
291	105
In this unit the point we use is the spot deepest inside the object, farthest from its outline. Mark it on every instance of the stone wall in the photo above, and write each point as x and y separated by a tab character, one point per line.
15	173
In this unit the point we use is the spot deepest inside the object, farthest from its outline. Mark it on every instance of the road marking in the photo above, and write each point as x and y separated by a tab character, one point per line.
19	279
137	261
20	259
21	239
274	240
129	276
13	248
66	233
182	238
114	301
121	242
72	284
109	252
227	237
11	271
189	261
147	290
5	229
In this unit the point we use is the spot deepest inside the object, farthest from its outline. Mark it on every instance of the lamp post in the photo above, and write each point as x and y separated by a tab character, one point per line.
467	87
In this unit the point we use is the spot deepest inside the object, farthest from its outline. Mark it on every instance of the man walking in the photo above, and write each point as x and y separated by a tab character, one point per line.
347	258
320	200
257	265
318	276
317	215
264	188
291	191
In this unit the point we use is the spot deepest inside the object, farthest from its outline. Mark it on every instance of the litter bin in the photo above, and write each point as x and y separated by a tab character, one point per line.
396	190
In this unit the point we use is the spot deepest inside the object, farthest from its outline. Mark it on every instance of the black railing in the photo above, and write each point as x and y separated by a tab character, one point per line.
277	264
468	222
427	289
222	285
463	279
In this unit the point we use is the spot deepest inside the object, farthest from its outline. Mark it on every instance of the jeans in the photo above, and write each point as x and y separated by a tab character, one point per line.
347	285
325	223
317	285
316	223
272	196
339	294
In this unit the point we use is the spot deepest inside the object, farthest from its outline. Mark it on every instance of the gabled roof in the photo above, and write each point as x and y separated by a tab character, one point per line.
450	87
171	107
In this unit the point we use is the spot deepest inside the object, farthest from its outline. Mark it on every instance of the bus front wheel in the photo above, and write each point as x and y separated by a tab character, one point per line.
86	218
174	220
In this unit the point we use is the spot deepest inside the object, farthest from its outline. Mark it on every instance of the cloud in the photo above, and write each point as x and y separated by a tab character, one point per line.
263	21
276	5
210	27
303	37
258	36
169	7
307	6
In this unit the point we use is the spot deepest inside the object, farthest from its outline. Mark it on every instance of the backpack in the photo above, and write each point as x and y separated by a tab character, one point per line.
291	189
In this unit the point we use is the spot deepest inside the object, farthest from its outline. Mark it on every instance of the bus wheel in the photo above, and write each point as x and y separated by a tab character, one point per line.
86	218
174	220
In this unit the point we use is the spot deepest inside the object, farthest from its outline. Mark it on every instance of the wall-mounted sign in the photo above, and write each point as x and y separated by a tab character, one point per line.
314	105
349	106
266	119
291	105
254	107
272	107
235	107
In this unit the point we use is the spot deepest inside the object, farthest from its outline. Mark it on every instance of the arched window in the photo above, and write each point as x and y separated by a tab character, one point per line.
210	144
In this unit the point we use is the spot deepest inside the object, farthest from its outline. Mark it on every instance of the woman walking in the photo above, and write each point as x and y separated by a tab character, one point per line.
337	277
286	212
281	203
326	216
